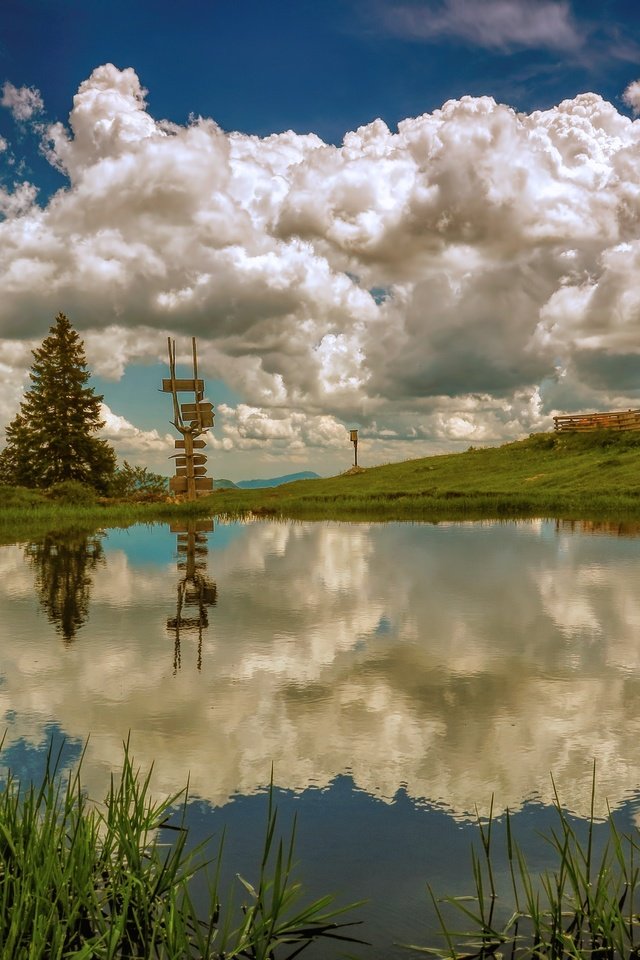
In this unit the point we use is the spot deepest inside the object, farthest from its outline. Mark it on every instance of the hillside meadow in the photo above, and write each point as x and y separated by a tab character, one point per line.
587	476
572	476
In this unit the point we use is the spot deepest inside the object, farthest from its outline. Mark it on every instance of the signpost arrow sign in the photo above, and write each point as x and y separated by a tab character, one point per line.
195	386
190	410
182	461
197	444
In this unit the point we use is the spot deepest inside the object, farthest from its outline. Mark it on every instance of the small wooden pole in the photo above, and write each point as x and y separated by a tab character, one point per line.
195	365
198	398
172	373
353	436
191	480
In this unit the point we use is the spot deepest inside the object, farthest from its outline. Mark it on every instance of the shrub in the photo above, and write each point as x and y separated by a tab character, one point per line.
11	496
73	492
542	441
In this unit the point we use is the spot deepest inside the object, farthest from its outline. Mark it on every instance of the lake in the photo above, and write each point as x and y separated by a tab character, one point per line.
395	678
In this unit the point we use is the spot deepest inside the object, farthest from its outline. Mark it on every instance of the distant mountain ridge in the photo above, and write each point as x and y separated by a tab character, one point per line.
223	484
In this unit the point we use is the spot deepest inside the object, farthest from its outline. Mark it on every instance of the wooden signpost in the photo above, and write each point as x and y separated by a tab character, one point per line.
191	419
353	436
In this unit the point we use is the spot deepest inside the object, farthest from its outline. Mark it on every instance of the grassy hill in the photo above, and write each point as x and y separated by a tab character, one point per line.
594	476
588	476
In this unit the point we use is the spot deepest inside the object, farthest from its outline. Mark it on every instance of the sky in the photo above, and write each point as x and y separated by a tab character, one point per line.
417	218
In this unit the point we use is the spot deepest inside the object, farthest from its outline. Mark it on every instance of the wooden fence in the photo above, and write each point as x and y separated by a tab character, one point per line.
619	420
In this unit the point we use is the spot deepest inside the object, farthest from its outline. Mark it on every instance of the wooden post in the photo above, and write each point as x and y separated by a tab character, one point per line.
191	480
172	374
353	436
195	377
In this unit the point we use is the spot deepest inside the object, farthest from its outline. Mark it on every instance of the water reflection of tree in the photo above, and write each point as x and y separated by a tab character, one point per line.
64	563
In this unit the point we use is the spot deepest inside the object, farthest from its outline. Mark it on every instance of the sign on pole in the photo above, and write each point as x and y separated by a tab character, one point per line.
191	386
353	436
196	444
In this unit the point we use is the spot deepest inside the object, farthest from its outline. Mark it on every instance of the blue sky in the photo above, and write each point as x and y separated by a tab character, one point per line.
323	68
169	199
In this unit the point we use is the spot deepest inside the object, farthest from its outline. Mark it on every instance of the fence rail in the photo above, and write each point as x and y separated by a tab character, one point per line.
619	420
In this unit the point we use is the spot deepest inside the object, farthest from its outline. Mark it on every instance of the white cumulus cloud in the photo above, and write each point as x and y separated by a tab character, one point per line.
23	102
631	96
462	277
129	441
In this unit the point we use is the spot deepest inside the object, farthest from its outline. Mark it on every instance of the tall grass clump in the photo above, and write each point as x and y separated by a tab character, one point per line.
585	907
114	881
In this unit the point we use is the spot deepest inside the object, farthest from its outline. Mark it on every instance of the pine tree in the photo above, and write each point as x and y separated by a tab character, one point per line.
52	437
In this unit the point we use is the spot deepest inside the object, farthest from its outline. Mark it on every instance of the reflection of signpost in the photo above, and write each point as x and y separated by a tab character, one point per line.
195	591
353	436
191	420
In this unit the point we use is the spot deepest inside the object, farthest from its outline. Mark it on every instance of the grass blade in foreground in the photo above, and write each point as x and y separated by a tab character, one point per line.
584	907
81	881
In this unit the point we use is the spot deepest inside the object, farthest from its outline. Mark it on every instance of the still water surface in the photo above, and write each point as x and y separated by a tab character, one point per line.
396	676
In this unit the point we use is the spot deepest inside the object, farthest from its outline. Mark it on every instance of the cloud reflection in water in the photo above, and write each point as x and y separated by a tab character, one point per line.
459	661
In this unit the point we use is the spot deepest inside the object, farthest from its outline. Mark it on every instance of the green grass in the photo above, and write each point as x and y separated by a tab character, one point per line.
573	476
28	514
588	476
101	881
586	906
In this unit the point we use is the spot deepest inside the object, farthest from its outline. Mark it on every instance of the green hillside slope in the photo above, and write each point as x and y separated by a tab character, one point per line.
567	475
